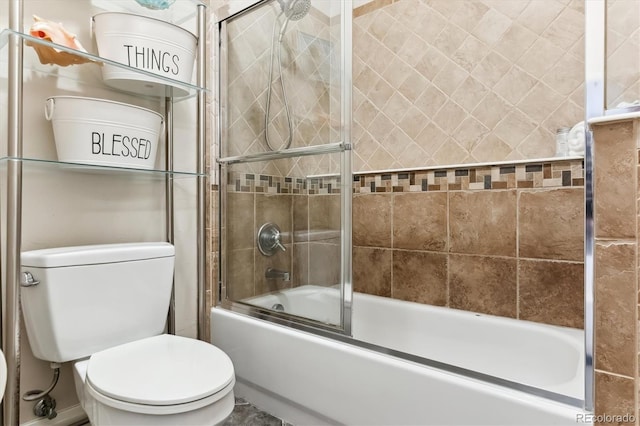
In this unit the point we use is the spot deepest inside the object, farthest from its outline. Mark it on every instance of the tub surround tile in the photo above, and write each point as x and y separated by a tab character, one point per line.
372	271
420	277
324	212
324	263
551	292
420	221
483	284
372	220
301	265
616	153
240	221
300	213
239	274
616	303
433	211
483	222
551	224
614	397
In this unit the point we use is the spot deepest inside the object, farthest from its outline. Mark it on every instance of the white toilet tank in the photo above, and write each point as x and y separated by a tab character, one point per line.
91	298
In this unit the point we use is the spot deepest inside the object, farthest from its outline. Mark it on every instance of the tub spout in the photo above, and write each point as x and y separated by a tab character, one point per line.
272	273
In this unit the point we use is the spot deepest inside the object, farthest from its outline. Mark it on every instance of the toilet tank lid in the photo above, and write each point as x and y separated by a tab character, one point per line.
95	254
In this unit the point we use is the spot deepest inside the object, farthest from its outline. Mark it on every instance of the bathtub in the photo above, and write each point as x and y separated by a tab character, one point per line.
309	379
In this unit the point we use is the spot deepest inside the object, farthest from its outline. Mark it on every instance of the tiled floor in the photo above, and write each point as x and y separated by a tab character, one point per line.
246	414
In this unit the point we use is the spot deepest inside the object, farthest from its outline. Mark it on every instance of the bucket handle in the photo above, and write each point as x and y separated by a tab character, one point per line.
48	109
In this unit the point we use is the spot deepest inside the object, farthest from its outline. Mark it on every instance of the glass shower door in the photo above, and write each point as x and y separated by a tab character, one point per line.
284	162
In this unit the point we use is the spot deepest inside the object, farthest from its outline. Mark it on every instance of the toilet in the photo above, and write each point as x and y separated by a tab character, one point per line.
104	307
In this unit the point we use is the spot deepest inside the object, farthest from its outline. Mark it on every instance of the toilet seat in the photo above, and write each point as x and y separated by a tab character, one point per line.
160	374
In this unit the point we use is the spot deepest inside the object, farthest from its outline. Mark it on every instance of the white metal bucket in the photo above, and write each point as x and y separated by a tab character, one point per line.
147	44
102	132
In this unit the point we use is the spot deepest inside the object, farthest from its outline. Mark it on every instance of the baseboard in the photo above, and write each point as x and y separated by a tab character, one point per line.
65	417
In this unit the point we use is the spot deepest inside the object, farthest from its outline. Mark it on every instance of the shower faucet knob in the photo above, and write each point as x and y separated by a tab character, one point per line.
269	239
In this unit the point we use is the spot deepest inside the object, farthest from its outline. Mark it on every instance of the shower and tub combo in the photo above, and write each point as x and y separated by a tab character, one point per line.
305	345
463	368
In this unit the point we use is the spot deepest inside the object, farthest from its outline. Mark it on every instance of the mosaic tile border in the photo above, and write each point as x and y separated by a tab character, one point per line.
515	176
533	175
253	183
267	184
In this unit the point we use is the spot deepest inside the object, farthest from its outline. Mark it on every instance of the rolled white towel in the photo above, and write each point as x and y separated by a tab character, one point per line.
628	104
576	139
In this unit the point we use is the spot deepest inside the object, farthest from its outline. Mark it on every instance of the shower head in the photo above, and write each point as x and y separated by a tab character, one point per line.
294	10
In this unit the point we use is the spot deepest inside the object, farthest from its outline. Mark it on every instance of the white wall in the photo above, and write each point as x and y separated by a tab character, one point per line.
69	207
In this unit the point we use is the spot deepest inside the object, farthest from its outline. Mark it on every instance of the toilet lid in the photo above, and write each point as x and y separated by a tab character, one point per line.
160	370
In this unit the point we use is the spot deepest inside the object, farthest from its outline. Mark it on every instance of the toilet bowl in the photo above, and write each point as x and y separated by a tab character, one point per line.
160	380
104	308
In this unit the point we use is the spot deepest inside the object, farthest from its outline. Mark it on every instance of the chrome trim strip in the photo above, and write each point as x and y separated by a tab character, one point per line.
285	153
595	103
257	315
346	175
283	318
222	134
11	333
201	151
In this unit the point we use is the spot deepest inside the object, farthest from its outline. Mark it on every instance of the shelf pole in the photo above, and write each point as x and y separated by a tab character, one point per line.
169	203
11	332
202	178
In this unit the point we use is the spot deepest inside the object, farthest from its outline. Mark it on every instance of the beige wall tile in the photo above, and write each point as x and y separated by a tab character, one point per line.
527	54
420	221
615	307
372	271
492	26
515	42
540	102
483	222
614	396
539	14
614	175
372	220
514	128
540	57
551	292
483	284
420	277
551	224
